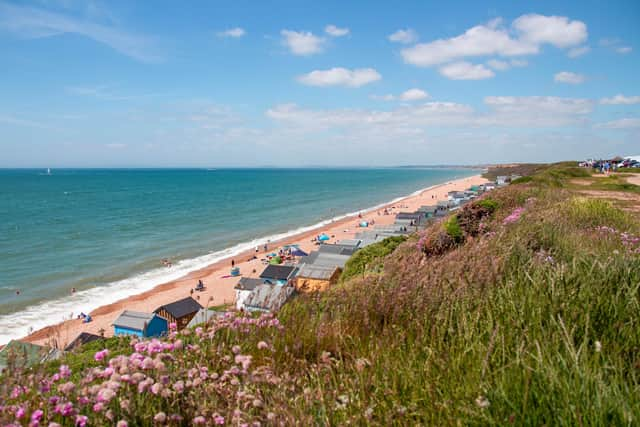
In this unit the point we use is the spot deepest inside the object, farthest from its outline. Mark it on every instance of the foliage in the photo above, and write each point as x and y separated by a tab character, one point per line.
370	258
534	321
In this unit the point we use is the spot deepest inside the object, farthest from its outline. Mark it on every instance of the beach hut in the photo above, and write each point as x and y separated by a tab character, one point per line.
340	249
140	324
243	289
278	274
82	339
268	297
179	312
326	259
204	316
19	354
316	278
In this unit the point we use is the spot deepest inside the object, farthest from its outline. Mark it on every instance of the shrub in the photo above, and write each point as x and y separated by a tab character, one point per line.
370	257
453	229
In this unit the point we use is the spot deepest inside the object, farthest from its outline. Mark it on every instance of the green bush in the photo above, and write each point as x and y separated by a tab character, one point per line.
453	229
370	257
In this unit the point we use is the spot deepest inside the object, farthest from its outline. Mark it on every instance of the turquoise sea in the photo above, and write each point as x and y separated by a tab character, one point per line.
105	232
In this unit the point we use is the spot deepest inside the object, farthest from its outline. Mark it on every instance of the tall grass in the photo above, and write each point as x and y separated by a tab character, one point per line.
530	321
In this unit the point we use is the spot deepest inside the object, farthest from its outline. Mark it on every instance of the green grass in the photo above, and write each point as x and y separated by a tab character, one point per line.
370	258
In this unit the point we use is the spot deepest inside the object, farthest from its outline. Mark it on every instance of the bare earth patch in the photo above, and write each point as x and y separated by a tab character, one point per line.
583	182
614	195
634	179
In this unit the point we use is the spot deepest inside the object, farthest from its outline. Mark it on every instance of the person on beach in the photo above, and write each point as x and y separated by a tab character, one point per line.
265	247
233	263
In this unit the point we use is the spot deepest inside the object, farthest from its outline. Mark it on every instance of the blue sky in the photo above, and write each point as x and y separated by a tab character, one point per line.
109	84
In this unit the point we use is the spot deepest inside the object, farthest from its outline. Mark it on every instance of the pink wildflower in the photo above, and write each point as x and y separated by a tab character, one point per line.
199	420
173	326
160	417
100	355
263	345
235	349
37	416
514	217
81	420
20	412
65	372
122	423
218	419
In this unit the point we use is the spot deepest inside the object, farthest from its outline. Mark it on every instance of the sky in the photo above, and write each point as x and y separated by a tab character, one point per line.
331	83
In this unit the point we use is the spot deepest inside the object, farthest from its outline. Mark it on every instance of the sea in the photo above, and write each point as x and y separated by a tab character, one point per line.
105	232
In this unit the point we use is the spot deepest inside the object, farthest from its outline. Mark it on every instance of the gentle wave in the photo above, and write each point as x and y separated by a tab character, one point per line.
32	318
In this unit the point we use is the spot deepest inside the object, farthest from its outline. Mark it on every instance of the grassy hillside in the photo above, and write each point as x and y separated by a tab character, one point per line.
523	309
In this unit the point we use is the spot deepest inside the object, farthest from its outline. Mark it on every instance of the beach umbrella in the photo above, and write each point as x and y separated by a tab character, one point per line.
364	224
323	237
298	252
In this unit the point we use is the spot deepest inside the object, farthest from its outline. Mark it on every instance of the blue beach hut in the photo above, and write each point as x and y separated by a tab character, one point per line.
140	324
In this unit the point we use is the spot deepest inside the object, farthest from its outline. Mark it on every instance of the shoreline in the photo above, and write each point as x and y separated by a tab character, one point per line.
219	288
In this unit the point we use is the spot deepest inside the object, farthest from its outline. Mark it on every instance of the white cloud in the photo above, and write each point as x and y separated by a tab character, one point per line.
498	65
614	44
628	123
36	23
236	32
578	51
302	43
515	112
339	76
388	97
519	62
624	49
556	30
527	35
404	36
465	71
334	31
569	77
620	100
413	94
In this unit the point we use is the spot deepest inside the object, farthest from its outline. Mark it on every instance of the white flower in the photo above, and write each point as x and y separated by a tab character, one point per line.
598	346
482	402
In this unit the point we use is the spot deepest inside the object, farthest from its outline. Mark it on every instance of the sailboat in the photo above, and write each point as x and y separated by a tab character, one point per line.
48	171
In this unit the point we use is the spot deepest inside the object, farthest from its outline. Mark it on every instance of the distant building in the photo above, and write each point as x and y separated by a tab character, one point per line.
140	324
244	288
278	274
204	316
502	180
82	339
19	354
179	312
268	297
316	278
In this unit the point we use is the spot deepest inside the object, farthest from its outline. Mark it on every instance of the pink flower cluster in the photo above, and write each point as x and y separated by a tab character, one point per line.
630	241
514	216
120	390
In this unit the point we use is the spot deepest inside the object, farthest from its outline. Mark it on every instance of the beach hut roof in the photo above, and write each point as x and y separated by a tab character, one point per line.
82	339
320	272
267	297
135	320
278	272
181	307
350	242
247	284
409	215
326	259
337	249
428	209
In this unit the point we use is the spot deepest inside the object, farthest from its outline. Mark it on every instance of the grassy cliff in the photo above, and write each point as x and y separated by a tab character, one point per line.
522	308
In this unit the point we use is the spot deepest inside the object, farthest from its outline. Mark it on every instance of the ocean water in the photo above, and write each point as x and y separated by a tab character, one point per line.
105	232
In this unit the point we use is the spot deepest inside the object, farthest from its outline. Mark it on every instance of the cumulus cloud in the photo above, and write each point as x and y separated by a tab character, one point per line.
465	71
334	31
569	77
614	44
404	36
527	35
339	76
498	65
627	123
578	51
413	94
620	100
556	30
303	43
235	33
624	49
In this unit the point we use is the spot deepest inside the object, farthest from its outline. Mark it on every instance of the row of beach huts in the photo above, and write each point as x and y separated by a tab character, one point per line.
313	272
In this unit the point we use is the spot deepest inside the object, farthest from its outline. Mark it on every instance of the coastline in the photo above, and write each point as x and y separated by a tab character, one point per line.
220	289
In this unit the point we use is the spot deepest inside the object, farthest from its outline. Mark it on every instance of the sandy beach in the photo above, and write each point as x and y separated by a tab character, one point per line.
219	289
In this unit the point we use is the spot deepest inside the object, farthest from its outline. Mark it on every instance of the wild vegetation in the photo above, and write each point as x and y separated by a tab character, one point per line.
522	308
